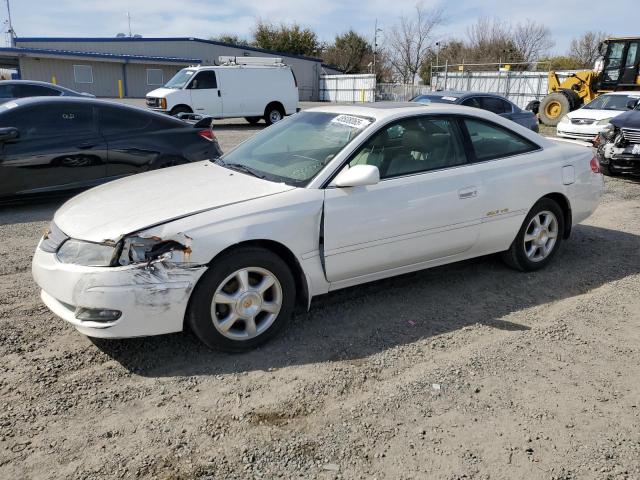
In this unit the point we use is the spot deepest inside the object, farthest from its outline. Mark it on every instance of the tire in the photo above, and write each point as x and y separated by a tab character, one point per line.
533	106
574	99
253	120
180	109
518	257
273	113
553	107
231	330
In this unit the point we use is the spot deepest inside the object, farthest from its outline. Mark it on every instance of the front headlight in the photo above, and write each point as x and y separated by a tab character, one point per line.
604	121
565	119
87	254
152	249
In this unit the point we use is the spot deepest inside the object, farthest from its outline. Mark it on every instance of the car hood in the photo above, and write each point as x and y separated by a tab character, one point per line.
110	211
160	92
594	114
629	119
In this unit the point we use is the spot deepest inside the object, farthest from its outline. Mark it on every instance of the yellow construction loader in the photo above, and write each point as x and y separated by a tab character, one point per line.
616	69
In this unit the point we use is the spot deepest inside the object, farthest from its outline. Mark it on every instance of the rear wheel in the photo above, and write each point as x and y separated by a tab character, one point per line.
273	113
243	300
253	120
553	107
539	237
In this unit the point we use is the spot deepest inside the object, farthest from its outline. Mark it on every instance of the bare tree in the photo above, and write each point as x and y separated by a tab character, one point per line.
491	40
409	41
532	39
586	49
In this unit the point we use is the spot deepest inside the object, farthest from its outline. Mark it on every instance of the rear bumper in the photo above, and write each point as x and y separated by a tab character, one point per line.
153	299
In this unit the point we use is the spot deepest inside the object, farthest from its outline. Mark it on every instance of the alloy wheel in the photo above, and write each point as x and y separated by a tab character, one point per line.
541	236
246	303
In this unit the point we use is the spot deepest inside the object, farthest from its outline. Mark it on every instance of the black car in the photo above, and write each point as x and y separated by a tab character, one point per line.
486	101
57	144
618	145
10	89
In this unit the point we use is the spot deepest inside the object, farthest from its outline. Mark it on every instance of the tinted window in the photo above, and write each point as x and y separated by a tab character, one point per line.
495	105
206	79
25	90
412	146
6	91
472	102
114	120
50	120
491	141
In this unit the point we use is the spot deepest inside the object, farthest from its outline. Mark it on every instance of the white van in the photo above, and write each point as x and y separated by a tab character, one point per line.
250	87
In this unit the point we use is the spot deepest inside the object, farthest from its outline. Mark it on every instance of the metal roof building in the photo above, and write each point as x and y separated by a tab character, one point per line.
131	67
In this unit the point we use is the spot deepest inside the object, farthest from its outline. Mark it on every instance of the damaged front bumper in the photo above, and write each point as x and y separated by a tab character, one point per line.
152	298
621	159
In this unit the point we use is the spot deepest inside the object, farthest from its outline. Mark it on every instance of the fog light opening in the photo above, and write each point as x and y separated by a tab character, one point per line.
101	315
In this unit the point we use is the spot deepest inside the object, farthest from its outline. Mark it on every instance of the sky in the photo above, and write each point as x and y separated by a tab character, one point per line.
209	18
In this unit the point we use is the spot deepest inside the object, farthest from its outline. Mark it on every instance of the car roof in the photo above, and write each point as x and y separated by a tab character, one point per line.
386	110
39	83
624	92
20	102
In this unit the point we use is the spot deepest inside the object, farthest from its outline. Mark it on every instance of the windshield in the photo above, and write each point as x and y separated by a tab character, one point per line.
180	79
611	102
295	149
435	99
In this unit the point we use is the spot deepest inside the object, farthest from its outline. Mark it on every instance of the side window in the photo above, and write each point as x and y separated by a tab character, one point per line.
52	121
495	105
24	90
114	121
412	146
472	102
82	74
155	76
492	141
6	91
206	79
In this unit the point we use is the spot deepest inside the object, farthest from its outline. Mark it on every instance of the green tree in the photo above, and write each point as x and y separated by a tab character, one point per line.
286	38
350	52
231	38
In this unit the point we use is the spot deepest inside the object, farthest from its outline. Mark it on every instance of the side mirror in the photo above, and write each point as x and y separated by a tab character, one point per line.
631	104
357	176
8	133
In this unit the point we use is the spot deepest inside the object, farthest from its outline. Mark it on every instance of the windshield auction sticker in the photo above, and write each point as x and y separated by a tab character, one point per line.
351	121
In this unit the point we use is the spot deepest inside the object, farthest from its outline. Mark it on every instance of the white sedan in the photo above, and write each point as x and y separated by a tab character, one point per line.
329	198
588	121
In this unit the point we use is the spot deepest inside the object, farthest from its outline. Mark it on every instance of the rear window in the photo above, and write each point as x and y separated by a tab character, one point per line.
435	99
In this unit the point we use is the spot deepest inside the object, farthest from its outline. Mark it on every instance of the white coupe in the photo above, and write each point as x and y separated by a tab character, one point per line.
329	198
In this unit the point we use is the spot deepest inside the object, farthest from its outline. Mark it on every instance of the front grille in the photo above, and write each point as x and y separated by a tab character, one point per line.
152	102
53	239
582	121
631	135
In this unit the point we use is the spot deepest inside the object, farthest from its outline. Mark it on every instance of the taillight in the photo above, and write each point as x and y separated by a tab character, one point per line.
207	133
595	165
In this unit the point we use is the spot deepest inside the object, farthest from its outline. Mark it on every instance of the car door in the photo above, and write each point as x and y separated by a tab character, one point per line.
426	206
508	168
497	106
135	139
206	97
58	148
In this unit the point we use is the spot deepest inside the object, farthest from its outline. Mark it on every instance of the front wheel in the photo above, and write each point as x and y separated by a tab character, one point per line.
539	237
243	300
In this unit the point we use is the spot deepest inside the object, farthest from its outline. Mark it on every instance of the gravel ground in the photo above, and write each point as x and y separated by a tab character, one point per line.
469	371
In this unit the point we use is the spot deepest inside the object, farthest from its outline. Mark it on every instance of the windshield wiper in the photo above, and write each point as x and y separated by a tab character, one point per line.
239	167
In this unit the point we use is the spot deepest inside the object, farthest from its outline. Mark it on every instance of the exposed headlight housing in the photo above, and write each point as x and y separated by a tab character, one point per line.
565	119
604	121
88	254
144	250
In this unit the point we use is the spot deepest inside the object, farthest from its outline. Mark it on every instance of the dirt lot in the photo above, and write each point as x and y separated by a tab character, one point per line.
467	371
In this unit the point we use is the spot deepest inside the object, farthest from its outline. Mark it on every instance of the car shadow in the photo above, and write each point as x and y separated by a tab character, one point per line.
354	323
38	210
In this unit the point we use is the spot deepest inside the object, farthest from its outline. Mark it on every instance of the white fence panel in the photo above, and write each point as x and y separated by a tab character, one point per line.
399	92
520	87
348	88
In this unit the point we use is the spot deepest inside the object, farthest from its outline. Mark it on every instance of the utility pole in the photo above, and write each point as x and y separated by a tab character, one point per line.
10	31
375	45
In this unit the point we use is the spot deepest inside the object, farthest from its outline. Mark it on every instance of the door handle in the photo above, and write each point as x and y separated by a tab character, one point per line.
469	192
219	93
